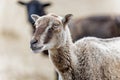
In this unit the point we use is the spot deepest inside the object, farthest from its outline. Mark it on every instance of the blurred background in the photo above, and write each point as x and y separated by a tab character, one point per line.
17	61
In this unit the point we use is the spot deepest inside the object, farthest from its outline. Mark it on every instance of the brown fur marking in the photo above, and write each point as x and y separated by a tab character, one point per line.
48	36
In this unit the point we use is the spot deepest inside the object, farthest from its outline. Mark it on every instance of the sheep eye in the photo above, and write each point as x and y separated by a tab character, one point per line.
56	24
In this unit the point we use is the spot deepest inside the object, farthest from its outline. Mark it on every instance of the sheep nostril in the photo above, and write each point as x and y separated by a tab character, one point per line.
34	41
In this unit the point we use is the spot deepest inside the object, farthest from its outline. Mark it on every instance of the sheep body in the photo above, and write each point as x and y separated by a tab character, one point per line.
88	59
98	59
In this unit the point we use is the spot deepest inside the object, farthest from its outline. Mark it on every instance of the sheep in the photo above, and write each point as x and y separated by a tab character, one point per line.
34	7
89	58
101	26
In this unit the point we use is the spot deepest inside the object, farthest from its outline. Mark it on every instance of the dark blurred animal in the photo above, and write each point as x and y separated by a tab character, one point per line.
96	26
34	7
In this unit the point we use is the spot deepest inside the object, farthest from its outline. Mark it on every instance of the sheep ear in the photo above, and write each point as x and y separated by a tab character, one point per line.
22	3
47	4
34	17
66	19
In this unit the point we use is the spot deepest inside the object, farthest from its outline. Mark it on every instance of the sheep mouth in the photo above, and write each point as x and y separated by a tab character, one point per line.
34	49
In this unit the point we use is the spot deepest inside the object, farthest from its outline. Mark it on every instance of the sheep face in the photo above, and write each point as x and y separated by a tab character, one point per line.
49	33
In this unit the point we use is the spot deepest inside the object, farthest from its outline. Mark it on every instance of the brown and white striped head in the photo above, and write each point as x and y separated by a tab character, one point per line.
50	32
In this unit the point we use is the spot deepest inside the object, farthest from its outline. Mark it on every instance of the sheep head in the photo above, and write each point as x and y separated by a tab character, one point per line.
50	32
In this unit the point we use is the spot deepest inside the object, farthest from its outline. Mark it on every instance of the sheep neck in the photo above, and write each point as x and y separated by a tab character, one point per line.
61	58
